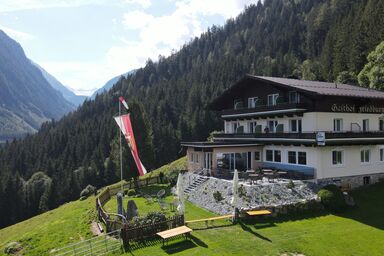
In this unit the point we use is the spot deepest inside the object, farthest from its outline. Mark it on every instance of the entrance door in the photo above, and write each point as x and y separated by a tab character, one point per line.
208	160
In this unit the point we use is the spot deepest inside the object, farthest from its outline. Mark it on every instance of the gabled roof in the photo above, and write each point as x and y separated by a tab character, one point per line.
324	88
310	87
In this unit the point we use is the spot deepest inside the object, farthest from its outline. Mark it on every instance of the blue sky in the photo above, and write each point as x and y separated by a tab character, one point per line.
84	43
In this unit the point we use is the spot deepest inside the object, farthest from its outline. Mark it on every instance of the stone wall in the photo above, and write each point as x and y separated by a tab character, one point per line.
267	195
351	181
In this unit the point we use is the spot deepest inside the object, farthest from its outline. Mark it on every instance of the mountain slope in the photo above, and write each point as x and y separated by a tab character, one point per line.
67	93
26	99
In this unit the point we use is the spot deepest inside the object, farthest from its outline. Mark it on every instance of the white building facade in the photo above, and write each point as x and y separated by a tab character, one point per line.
315	130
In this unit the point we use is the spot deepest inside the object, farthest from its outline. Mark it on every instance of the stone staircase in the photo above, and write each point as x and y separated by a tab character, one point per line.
195	184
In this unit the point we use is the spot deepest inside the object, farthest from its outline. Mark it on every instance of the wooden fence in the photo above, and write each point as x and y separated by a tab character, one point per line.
131	233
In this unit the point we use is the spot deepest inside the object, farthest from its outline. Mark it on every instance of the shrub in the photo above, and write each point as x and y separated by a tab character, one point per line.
12	248
151	218
87	191
332	198
172	177
217	195
131	192
241	191
290	184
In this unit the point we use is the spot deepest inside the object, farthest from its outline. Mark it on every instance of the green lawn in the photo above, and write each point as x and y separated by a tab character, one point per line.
358	231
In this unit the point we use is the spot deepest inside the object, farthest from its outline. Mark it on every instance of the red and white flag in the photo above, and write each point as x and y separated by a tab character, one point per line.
124	122
122	100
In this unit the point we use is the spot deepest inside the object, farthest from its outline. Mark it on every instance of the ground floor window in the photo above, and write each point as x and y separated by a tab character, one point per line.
365	155
337	157
297	157
273	155
232	161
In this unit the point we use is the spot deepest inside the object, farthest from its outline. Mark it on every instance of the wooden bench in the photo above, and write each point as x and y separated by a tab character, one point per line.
258	212
212	219
183	230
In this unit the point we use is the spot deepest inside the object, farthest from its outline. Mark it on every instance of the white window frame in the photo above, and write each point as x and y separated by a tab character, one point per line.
252	102
297	121
295	156
306	157
342	157
364	160
381	154
252	123
340	129
275	123
237	124
297	97
381	120
237	101
273	98
273	155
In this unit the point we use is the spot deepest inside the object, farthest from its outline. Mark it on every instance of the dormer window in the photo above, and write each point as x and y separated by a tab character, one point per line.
294	97
238	104
252	102
272	99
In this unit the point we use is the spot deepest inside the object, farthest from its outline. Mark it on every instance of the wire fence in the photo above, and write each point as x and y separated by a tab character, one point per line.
100	245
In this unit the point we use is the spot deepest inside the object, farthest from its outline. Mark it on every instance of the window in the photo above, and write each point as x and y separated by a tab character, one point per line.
295	125
252	127
234	127
238	104
337	157
252	102
292	157
337	125
302	158
382	155
365	155
227	127
381	124
257	156
191	157
365	125
272	125
277	156
269	155
272	99
197	158
366	180
294	97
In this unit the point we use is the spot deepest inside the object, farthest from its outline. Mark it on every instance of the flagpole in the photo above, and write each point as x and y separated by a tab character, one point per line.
121	153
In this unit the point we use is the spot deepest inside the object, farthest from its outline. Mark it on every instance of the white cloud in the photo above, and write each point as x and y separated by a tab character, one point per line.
142	3
160	35
136	19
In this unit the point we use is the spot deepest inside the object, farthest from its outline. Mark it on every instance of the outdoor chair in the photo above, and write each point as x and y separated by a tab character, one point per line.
163	205
148	198
160	194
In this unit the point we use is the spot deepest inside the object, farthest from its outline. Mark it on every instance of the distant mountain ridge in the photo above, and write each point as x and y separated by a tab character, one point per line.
108	85
67	93
26	98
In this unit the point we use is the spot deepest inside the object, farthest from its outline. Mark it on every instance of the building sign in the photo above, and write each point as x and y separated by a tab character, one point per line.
359	109
320	138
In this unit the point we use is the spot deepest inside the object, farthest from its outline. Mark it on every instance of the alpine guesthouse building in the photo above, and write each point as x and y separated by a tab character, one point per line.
312	130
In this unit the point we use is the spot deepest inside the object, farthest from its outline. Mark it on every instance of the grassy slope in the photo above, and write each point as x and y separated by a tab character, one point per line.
359	231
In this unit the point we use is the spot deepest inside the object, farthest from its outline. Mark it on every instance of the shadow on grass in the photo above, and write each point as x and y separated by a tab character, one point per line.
248	229
212	226
179	247
369	207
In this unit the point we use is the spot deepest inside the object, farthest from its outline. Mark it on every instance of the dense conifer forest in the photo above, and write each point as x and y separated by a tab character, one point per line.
325	40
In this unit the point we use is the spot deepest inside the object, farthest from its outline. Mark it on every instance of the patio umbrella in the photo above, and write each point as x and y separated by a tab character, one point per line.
235	188
180	194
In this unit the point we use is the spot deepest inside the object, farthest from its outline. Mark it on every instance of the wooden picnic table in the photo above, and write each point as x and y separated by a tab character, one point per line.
183	230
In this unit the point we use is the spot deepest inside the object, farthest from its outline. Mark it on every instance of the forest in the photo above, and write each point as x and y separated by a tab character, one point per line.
326	40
